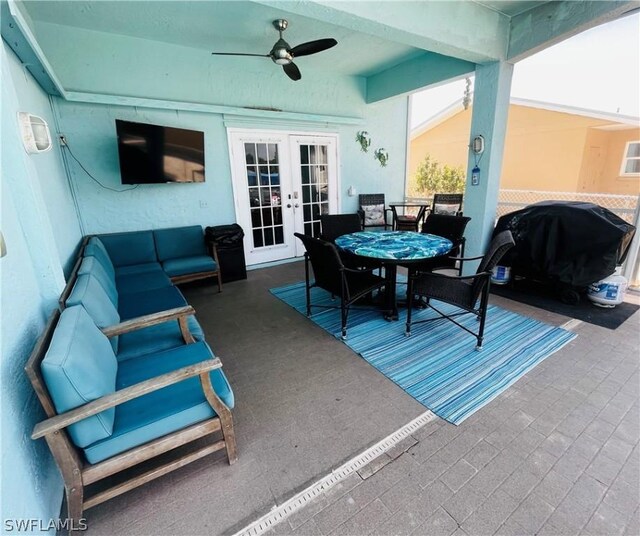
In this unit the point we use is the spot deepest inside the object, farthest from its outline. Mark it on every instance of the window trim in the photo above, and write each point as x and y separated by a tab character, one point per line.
626	158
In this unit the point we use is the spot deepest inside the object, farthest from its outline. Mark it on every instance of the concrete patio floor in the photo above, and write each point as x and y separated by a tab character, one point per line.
557	453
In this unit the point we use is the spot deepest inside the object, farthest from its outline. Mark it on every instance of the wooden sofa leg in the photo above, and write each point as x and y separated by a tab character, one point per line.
224	414
229	435
219	278
70	466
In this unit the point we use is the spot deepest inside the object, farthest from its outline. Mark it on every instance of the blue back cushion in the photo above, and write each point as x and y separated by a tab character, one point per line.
179	242
91	265
79	367
125	249
89	293
95	248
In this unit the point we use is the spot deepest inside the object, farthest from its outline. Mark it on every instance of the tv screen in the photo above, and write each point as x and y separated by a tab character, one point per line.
153	154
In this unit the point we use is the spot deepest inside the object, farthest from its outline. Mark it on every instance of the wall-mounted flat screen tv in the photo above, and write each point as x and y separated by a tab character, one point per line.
154	154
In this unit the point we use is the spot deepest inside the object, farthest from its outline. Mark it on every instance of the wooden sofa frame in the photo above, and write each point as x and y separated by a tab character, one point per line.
186	278
76	472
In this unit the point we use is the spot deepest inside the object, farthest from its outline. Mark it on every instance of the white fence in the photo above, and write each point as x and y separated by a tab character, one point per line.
624	206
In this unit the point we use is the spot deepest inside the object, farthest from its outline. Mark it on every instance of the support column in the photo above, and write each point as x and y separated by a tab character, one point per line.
492	90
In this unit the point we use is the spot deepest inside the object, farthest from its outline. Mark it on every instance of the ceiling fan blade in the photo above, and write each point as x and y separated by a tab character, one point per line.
292	71
312	47
239	54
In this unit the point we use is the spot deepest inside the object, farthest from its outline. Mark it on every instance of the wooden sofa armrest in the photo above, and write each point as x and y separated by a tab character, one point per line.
68	418
149	320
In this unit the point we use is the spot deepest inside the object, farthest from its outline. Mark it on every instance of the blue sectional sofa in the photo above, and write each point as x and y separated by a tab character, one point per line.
149	257
123	371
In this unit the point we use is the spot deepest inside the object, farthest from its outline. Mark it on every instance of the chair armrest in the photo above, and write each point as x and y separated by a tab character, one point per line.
148	320
75	415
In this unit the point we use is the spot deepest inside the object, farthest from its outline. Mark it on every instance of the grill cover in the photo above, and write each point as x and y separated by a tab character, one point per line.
567	242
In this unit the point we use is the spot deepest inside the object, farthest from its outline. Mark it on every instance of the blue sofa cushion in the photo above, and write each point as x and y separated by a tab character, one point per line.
144	281
146	302
125	249
91	265
79	367
88	292
189	265
179	242
156	338
164	411
95	248
138	268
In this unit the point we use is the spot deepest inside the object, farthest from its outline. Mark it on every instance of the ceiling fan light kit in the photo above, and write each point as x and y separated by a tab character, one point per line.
282	54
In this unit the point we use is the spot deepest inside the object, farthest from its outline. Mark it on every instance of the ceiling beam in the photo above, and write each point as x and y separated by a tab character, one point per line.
472	31
553	22
415	74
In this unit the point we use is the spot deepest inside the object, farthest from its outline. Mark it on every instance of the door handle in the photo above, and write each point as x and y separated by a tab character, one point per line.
296	205
288	205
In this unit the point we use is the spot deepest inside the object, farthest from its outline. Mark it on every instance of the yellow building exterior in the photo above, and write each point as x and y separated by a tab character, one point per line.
548	147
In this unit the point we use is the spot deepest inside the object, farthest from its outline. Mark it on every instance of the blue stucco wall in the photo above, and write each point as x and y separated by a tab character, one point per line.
90	132
41	231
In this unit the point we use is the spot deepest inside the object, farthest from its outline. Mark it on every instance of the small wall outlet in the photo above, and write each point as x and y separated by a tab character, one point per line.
204	204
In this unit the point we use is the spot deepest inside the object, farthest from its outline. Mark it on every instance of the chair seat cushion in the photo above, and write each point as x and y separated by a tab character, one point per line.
79	367
142	281
156	338
189	265
146	302
138	268
164	411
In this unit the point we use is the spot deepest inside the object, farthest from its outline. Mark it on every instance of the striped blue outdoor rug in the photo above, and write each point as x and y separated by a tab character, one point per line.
438	365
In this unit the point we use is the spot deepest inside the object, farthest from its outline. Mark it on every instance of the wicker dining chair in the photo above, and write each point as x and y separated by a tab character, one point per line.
450	204
369	205
460	291
452	228
330	274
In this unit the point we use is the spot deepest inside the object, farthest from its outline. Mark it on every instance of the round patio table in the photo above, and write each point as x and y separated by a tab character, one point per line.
392	248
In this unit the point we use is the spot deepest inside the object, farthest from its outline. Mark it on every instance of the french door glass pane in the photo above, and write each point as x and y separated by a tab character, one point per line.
263	183
315	186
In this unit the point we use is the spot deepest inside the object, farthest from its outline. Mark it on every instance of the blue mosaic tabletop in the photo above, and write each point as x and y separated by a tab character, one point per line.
394	245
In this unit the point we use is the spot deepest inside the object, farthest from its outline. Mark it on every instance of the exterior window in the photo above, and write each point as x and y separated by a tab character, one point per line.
631	159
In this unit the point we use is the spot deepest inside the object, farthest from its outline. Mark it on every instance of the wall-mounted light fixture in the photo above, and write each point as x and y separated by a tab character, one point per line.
34	132
3	246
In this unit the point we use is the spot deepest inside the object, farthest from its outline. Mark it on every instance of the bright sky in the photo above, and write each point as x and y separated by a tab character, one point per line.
598	69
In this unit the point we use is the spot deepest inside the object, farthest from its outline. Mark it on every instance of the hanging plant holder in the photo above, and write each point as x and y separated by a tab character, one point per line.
364	140
382	156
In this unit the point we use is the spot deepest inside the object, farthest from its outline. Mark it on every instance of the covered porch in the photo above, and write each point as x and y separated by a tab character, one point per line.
556	452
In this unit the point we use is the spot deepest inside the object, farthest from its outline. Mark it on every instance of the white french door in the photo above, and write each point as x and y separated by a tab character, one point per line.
282	183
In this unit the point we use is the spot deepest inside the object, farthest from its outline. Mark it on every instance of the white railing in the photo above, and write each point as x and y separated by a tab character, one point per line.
624	206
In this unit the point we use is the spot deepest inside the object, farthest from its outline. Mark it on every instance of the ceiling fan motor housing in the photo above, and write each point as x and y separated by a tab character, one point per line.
280	53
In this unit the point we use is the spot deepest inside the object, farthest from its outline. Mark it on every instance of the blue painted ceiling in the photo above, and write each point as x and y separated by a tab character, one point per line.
226	26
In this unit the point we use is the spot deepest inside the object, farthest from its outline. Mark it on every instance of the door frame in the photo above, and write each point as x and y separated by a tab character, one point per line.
298	250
